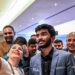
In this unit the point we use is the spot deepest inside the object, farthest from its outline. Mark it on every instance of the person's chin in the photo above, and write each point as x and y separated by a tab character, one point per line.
16	56
41	44
72	48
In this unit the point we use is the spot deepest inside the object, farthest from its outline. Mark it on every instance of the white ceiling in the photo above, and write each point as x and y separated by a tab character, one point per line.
11	9
53	12
5	5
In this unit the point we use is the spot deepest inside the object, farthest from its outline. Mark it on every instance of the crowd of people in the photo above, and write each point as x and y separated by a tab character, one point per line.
42	54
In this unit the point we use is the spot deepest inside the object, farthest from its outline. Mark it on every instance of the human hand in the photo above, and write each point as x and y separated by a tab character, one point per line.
26	52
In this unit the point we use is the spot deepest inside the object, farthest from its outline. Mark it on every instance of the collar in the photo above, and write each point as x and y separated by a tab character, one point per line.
49	56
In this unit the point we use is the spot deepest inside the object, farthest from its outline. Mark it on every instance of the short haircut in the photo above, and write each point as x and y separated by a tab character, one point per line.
50	29
9	26
33	35
32	41
57	41
20	40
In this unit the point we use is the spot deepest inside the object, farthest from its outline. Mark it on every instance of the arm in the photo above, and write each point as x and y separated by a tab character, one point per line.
70	65
30	68
3	64
25	50
0	63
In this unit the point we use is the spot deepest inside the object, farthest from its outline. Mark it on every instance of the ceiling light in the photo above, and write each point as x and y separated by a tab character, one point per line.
41	22
55	4
14	12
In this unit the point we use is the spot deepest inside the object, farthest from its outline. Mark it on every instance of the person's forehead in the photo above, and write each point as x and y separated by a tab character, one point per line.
42	30
58	43
32	45
8	28
15	45
72	35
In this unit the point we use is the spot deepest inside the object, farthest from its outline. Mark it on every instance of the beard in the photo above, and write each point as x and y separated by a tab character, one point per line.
47	43
9	39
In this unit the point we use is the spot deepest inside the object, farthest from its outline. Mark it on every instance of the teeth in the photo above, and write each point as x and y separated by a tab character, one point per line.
41	42
72	46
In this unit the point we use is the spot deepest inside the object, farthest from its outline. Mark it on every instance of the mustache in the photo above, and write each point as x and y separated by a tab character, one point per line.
41	41
72	46
9	37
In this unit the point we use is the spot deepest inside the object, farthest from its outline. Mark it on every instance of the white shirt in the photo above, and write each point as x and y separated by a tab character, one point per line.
6	69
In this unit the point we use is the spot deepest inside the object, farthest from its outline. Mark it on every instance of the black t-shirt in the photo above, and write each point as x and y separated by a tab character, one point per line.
46	63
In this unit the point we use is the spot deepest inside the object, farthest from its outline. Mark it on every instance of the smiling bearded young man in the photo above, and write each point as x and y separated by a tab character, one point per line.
8	34
50	61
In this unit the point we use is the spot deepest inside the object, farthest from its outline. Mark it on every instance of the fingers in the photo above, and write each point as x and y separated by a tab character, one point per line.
26	52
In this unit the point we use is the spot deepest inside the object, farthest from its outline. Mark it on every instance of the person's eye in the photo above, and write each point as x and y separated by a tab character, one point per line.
13	47
74	40
44	34
69	40
37	35
5	33
20	49
10	32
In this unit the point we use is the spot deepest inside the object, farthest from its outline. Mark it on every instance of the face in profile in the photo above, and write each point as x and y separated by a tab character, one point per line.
8	34
71	42
43	38
15	52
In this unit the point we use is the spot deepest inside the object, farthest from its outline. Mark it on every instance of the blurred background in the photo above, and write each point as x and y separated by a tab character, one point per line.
25	15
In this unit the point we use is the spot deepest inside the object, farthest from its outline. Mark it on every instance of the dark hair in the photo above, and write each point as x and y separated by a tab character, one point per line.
33	35
20	40
57	41
32	41
50	29
9	26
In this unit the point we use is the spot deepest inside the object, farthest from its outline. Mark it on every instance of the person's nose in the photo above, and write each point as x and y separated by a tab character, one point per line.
17	49
7	34
39	37
71	41
34	48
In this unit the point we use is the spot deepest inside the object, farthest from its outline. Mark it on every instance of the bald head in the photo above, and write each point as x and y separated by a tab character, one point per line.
72	34
71	42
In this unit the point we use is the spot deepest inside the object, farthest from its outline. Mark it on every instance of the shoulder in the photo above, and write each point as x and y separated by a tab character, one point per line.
3	60
36	57
62	52
65	55
3	43
4	63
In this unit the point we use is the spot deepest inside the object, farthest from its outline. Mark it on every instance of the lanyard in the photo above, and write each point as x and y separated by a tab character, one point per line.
13	70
